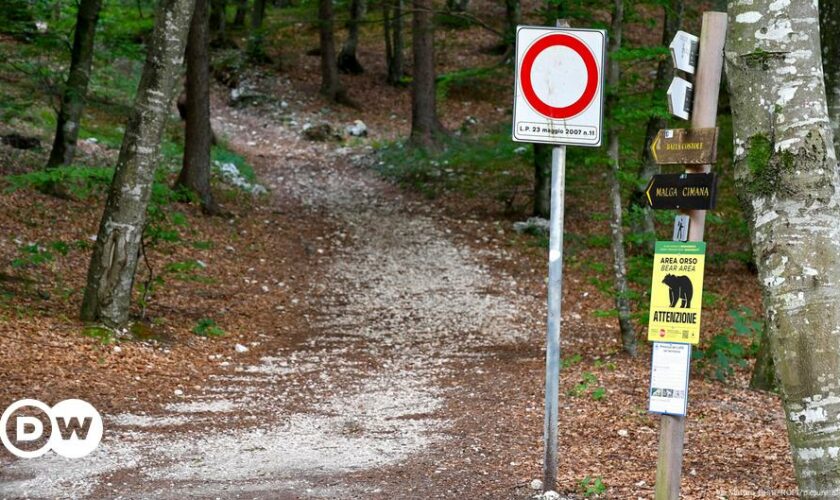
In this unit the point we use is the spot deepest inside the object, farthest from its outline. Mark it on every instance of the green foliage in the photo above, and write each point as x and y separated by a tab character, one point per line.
103	334
570	361
490	165
724	352
32	256
206	327
77	181
589	486
585	386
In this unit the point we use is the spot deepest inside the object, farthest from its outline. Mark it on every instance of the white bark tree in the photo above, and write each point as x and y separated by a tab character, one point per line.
622	289
114	261
786	172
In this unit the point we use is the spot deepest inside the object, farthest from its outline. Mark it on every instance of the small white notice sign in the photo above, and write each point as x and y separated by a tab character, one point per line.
669	378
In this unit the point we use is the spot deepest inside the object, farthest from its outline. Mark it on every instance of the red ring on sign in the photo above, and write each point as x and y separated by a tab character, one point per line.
559	113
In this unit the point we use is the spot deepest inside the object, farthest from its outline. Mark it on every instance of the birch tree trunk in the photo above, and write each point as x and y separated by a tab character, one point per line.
198	136
73	100
114	261
392	14
830	40
786	173
643	223
622	291
347	60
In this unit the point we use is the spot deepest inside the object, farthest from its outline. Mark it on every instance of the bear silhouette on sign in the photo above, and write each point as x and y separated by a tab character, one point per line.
679	289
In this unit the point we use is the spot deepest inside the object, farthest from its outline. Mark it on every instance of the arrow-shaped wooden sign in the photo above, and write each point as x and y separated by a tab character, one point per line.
679	146
682	191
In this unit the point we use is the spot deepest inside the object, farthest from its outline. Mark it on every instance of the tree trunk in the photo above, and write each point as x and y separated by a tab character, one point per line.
217	22
331	86
542	180
764	371
457	5
256	51
392	11
198	137
241	14
642	220
513	18
73	100
830	38
786	174
114	261
622	290
347	61
425	127
555	9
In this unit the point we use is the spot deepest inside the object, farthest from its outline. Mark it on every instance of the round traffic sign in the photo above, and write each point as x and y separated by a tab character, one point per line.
589	91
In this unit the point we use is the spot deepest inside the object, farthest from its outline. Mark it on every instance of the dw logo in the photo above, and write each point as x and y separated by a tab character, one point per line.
75	428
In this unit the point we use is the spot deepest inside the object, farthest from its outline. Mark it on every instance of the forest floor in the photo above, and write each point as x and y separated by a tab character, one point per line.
395	351
391	335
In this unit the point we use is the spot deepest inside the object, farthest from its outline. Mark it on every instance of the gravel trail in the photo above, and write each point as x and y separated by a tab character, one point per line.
399	303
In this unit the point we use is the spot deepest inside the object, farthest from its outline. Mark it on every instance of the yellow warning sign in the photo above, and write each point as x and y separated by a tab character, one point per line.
677	291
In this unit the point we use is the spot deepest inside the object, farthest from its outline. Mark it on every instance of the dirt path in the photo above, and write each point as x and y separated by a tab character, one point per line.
401	309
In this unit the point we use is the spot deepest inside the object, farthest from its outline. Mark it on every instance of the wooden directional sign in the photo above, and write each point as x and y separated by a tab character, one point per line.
679	146
682	191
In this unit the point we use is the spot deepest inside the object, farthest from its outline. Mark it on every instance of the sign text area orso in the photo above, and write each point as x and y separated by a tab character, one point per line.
559	86
676	294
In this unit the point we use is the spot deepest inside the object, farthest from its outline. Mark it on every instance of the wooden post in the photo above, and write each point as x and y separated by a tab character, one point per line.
703	115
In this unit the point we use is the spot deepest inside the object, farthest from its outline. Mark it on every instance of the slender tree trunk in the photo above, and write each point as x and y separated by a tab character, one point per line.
392	13
347	61
114	261
256	51
218	22
331	86
457	5
73	100
195	172
830	38
555	9
786	174
542	180
425	127
241	14
622	290
513	18
642	222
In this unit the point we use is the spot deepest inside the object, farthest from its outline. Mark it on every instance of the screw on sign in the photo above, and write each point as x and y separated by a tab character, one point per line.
559	86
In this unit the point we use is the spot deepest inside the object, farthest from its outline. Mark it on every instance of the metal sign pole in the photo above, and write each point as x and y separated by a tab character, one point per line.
555	294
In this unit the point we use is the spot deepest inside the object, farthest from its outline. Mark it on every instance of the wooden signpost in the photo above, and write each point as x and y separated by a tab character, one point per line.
697	101
558	100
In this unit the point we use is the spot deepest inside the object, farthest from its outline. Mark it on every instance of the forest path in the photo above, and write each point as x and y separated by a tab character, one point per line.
400	315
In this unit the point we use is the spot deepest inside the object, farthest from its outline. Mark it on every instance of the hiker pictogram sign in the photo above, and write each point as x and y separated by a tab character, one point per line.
559	86
676	292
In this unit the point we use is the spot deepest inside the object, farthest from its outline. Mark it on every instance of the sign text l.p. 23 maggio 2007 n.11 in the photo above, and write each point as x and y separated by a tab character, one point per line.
553	130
